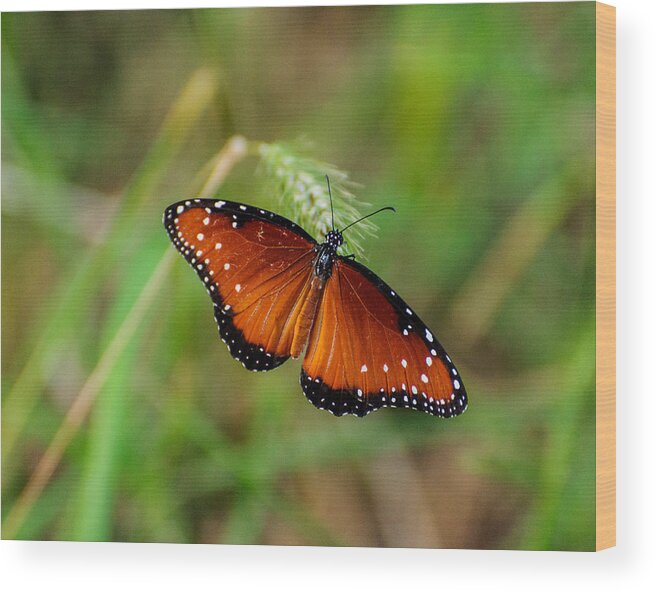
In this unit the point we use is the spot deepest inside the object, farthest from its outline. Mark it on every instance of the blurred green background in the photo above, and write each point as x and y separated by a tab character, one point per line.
124	418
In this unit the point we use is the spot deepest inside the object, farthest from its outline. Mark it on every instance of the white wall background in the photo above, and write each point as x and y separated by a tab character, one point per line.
105	566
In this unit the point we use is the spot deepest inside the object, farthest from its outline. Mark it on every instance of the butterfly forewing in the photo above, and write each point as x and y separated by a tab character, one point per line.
368	349
256	267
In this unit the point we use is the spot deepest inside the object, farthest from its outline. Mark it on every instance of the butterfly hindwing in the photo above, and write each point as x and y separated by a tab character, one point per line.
368	349
255	266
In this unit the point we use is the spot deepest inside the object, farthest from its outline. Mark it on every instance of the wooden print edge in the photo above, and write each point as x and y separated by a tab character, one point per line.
605	276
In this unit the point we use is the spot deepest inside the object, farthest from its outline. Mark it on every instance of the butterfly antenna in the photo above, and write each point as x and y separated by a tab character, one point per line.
327	178
368	216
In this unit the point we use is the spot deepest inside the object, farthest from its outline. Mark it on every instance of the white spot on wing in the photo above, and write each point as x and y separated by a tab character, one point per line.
424	378
364	368
404	363
428	361
428	335
238	287
226	266
200	236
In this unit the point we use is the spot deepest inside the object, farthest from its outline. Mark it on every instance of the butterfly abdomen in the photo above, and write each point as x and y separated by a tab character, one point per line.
323	263
306	316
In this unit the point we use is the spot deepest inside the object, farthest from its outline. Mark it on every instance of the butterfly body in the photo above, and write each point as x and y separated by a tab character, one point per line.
307	314
278	292
327	254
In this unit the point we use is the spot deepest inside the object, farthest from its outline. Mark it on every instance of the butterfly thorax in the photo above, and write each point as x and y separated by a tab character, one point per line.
327	253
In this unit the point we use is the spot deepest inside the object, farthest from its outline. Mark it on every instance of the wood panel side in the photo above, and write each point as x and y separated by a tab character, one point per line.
605	276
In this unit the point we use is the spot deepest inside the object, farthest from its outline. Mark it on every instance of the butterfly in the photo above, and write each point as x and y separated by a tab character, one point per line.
278	292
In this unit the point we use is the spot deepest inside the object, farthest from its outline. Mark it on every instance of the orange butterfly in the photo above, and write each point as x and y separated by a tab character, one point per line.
277	291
